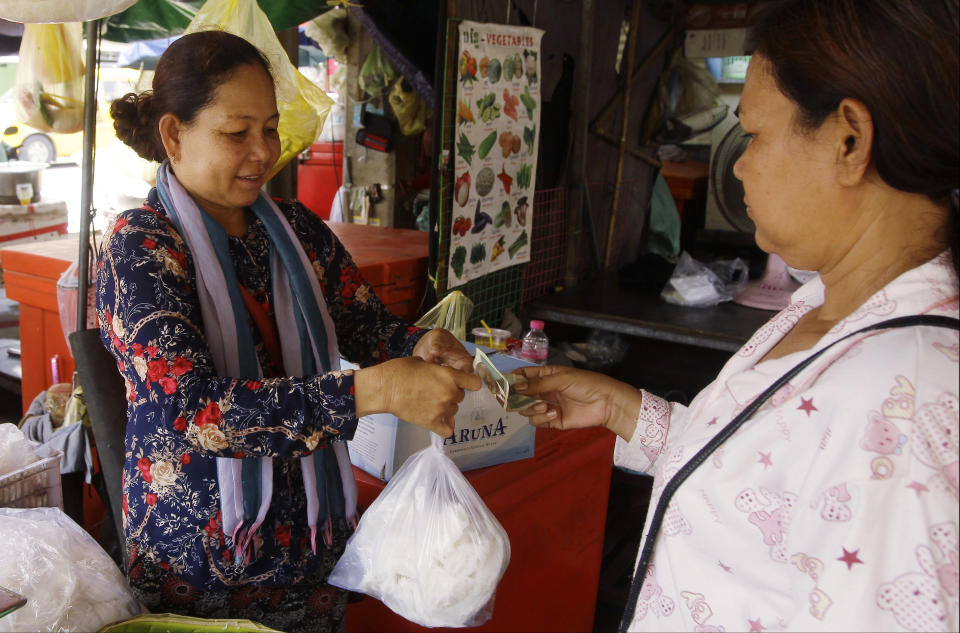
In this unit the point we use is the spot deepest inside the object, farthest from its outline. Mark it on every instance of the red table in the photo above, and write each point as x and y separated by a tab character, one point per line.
553	507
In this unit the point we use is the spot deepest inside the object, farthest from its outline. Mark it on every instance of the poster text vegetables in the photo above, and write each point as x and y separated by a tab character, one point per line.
496	140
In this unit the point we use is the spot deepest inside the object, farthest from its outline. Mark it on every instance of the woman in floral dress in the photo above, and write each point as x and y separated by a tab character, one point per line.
233	499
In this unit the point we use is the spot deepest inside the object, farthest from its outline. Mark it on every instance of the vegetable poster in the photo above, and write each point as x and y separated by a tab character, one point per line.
496	141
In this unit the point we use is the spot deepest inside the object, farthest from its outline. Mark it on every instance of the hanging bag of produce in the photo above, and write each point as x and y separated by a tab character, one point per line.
49	79
303	106
451	314
428	547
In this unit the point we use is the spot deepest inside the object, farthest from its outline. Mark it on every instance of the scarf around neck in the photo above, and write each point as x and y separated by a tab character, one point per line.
308	346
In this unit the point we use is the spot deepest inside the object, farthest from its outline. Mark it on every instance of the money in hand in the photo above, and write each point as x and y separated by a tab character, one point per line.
500	384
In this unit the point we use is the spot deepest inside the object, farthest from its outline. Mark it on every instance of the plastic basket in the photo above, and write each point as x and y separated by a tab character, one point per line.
33	486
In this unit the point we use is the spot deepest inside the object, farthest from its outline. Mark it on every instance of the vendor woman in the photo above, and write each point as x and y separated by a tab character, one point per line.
228	313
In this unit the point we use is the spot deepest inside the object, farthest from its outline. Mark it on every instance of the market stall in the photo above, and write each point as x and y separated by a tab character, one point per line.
485	112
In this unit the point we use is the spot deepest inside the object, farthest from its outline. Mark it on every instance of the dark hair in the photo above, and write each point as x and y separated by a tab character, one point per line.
184	82
900	58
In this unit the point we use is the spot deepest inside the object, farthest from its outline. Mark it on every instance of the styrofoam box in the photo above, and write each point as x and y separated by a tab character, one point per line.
484	434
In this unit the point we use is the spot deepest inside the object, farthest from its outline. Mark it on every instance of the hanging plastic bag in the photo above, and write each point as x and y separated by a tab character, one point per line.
376	73
409	108
303	106
68	287
451	313
49	79
332	32
428	547
61	10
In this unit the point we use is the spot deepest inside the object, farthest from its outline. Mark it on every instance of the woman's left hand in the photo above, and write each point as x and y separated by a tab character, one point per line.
441	347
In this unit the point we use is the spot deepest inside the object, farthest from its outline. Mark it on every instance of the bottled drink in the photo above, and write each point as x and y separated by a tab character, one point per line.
536	345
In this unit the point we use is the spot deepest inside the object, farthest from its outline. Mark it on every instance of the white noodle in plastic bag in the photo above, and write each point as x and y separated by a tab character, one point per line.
70	583
16	451
428	547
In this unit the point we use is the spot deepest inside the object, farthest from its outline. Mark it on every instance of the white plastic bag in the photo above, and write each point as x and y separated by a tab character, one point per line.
428	547
68	287
697	285
70	583
16	451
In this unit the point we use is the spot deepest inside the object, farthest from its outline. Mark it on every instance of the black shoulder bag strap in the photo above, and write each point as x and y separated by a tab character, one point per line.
725	433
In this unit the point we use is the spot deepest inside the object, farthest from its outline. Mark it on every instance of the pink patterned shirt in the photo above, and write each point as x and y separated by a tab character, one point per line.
836	506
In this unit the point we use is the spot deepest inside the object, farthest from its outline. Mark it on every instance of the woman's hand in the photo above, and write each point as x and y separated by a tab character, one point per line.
441	347
575	398
425	394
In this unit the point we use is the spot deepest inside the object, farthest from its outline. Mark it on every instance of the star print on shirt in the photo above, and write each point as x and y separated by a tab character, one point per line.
765	460
850	558
756	626
807	405
712	422
918	487
725	568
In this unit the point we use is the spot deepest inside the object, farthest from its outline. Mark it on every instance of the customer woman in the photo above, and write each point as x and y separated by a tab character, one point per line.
228	313
834	505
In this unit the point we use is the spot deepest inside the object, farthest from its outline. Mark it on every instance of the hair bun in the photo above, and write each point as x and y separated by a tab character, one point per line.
133	122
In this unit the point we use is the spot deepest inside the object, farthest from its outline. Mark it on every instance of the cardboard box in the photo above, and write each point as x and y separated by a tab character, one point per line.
484	434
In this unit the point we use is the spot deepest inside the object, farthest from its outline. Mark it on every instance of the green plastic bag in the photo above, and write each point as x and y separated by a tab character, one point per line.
169	622
376	73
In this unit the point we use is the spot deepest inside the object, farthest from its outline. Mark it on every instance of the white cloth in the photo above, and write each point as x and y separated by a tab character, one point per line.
836	506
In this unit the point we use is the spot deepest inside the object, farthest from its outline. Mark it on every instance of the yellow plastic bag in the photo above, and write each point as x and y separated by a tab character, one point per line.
303	106
49	79
173	623
410	109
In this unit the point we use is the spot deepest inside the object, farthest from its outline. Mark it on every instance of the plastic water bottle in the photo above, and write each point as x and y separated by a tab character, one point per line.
536	345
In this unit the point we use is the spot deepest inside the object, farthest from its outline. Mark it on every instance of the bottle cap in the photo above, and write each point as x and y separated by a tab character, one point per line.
536	325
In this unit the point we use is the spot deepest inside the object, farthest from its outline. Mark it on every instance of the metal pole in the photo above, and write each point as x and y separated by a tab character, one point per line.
86	173
444	11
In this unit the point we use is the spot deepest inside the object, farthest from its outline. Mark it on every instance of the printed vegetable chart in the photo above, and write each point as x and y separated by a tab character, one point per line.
497	138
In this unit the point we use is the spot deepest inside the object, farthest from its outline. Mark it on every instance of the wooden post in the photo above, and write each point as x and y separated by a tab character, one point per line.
625	119
581	112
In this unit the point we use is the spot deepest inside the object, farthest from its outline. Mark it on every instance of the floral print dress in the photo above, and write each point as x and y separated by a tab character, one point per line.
182	415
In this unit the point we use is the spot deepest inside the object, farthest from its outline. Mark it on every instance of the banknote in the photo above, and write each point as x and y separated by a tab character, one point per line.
500	384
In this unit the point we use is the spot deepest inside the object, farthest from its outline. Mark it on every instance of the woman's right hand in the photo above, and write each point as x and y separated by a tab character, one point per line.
422	393
576	398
